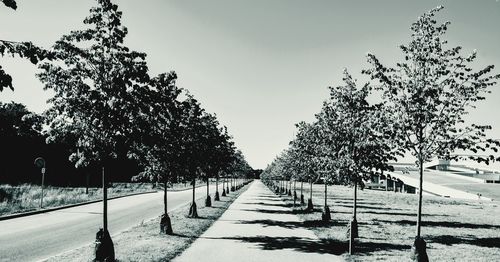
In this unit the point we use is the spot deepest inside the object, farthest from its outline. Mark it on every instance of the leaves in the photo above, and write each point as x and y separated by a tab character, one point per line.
10	3
348	142
431	91
99	87
425	98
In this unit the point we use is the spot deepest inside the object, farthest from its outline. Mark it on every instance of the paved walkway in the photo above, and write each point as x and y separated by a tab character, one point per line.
258	227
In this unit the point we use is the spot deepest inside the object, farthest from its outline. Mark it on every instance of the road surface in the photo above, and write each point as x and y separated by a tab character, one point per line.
38	237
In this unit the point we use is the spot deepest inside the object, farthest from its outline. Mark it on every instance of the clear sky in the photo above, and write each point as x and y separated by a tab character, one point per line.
260	65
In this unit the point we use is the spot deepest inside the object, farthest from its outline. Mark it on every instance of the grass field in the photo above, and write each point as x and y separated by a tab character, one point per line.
26	197
485	189
455	230
145	243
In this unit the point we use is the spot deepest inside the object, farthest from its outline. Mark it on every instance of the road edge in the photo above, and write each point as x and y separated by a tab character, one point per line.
36	212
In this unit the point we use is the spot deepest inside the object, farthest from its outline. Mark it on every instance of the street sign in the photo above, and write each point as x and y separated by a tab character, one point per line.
40	162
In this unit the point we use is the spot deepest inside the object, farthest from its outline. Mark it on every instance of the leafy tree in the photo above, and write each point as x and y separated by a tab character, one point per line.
430	91
191	157
219	160
159	148
19	129
238	168
359	132
96	80
211	146
290	168
306	147
330	137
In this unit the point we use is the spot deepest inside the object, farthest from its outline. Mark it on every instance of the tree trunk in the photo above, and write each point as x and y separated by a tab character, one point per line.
355	204
217	198
104	249
310	206
208	200
87	178
419	212
165	197
326	216
418	250
193	211
294	192
353	225
224	186
104	202
165	223
302	202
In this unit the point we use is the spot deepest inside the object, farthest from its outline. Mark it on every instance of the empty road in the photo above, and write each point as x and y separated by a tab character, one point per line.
37	237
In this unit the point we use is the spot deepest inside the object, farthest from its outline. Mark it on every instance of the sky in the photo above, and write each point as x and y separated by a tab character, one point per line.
260	65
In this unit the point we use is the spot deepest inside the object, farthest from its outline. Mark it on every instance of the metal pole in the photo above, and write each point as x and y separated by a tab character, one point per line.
43	180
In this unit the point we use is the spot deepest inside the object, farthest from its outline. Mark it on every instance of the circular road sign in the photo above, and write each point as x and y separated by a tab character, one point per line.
39	162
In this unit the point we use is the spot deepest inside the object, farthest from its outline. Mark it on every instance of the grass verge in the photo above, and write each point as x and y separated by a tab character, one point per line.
26	197
455	230
145	243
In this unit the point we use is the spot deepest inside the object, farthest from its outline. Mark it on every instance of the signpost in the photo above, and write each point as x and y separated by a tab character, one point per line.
40	163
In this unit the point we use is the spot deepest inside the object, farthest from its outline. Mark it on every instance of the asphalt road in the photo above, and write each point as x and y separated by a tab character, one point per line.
38	237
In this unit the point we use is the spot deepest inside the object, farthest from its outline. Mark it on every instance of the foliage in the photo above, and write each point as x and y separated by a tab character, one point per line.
355	132
10	3
159	145
23	49
97	82
432	90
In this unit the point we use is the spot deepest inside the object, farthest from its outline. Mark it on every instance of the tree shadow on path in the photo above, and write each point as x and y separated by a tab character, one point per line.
282	211
268	204
294	224
307	245
439	224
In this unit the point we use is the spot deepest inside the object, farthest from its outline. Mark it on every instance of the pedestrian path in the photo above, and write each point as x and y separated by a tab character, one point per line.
258	226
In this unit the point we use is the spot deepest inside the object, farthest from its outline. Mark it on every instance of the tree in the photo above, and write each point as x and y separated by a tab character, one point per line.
331	139
214	157
291	168
191	156
222	156
358	135
159	148
96	82
429	92
295	165
305	145
19	129
238	167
